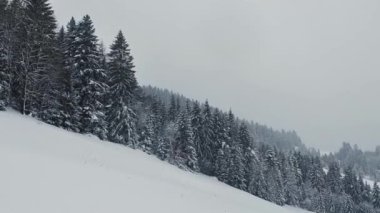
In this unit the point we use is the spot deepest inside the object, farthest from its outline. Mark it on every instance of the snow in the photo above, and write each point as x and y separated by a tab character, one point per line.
369	181
46	169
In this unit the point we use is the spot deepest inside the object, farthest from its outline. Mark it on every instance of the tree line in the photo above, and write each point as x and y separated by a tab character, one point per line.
66	78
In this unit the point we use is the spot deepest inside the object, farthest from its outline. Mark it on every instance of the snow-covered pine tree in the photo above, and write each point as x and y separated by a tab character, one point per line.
316	174
53	111
4	70
172	112
258	185
89	80
292	191
376	196
207	142
334	178
222	155
236	160
223	148
184	148
274	177
121	117
350	184
196	124
36	37
247	150
70	98
147	135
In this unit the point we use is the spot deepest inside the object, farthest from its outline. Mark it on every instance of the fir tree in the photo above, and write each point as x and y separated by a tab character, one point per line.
376	196
36	37
184	149
172	113
147	134
334	179
4	69
350	184
292	192
207	142
196	124
89	80
274	177
247	152
121	117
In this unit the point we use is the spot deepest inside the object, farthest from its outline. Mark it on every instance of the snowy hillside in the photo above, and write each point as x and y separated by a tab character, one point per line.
46	169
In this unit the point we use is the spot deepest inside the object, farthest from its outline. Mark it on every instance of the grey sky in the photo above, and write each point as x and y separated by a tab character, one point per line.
308	65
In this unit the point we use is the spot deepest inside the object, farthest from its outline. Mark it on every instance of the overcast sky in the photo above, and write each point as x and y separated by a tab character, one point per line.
312	66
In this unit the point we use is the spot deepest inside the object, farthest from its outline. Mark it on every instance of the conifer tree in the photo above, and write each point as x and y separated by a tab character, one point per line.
207	144
222	148
247	152
172	113
70	98
4	70
89	80
350	184
184	149
196	124
376	196
292	192
121	117
36	36
334	179
274	177
147	135
317	175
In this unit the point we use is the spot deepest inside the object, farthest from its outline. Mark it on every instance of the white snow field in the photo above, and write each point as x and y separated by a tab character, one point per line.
45	169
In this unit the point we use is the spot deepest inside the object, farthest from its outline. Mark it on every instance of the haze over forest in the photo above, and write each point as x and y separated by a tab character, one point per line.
317	74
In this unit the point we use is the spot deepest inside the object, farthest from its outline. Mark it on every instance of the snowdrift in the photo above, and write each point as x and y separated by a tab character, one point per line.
45	169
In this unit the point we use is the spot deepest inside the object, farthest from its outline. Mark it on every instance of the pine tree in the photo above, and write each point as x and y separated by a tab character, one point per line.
123	84
292	192
184	149
376	196
196	124
247	152
316	174
222	148
36	37
350	184
207	143
53	111
147	135
4	70
89	80
258	185
172	113
70	98
334	179
274	177
237	175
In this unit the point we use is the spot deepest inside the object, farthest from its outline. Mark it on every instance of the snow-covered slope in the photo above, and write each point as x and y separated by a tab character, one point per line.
46	169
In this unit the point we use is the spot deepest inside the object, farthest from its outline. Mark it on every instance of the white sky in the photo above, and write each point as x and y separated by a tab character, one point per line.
308	65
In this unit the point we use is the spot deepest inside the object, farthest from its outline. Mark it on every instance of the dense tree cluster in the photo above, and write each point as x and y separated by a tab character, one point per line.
366	163
65	78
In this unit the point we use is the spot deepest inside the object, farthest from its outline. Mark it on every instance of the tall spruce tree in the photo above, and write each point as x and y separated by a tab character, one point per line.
184	148
121	117
350	184
334	178
207	143
89	80
376	196
4	69
70	97
36	36
196	124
